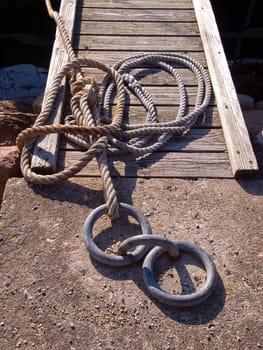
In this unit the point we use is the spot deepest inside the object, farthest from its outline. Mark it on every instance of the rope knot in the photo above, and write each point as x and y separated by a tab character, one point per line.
86	86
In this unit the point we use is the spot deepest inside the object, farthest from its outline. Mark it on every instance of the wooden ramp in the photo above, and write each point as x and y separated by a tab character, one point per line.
218	146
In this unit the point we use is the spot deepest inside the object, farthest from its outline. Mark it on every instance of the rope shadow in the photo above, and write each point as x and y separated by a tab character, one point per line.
70	192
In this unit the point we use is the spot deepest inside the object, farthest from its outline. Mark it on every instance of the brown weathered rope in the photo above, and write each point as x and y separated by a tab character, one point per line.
99	127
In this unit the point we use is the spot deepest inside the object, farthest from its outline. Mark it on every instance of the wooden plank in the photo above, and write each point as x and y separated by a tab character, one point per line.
137	114
150	76
143	43
110	57
166	95
210	119
159	164
242	158
45	152
170	4
140	15
197	140
136	28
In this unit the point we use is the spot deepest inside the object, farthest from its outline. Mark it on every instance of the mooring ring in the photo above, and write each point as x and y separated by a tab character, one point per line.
174	299
110	259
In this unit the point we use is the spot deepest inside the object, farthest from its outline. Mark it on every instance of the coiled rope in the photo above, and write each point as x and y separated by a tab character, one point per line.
97	124
100	130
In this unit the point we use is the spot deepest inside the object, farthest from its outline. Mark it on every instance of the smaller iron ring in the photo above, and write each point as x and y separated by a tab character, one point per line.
110	259
174	299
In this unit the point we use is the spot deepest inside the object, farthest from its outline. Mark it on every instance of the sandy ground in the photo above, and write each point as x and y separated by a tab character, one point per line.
53	296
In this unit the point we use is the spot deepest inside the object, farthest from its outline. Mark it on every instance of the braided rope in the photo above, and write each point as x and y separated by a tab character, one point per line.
97	123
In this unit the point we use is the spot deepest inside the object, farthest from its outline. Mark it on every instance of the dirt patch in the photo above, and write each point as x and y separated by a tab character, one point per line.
53	296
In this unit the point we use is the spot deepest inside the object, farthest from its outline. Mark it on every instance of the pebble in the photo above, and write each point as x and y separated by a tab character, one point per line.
19	343
83	271
72	326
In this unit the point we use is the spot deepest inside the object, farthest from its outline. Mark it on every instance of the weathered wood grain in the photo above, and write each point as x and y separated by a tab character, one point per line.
136	28
110	57
141	15
150	76
241	153
137	114
197	140
159	164
167	95
136	43
45	151
169	4
210	119
112	30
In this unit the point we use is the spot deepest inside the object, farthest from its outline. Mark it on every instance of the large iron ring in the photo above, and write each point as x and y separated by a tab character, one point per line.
110	259
180	300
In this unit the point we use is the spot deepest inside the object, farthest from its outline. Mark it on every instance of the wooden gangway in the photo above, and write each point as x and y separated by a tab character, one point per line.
218	146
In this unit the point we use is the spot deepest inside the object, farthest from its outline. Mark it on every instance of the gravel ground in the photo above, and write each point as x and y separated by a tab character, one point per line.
53	296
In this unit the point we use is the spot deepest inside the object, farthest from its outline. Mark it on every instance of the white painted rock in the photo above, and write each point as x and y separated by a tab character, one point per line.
246	102
22	83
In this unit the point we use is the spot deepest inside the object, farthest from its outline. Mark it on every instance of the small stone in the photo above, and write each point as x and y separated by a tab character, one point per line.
83	271
72	326
19	343
49	240
211	325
